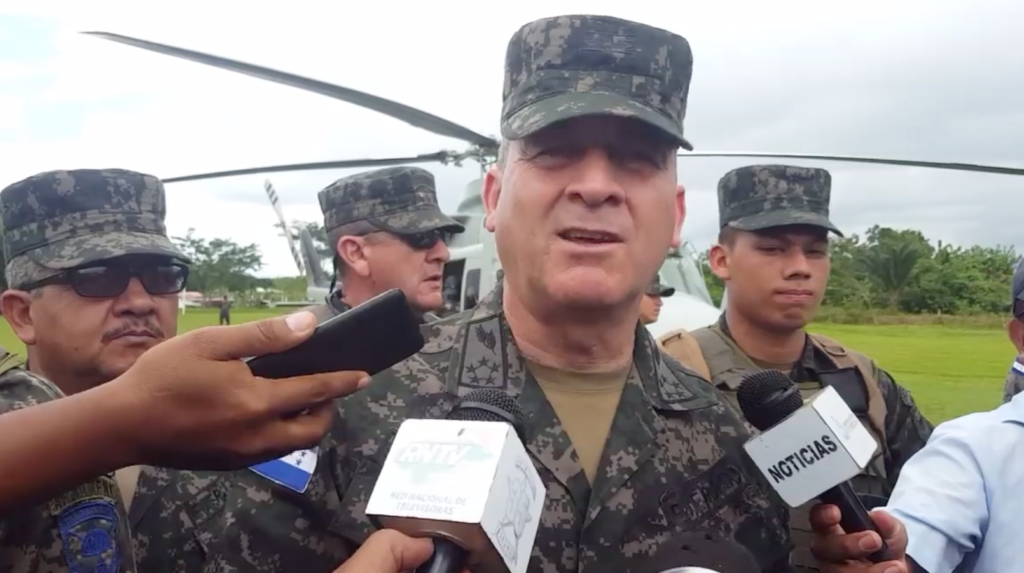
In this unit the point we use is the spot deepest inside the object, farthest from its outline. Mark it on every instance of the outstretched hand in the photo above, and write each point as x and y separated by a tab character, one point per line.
197	404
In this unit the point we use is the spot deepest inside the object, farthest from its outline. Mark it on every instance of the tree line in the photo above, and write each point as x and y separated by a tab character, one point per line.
891	270
900	270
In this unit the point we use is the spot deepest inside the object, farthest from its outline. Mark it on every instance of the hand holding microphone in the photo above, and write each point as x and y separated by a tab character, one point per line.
812	450
388	551
842	552
468	483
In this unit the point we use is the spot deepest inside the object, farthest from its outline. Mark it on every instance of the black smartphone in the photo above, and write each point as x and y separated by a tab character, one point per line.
371	337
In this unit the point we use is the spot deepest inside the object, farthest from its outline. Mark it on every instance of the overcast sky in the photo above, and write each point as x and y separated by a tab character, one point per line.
933	79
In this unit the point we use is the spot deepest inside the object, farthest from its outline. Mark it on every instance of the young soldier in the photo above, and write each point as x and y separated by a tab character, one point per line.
772	254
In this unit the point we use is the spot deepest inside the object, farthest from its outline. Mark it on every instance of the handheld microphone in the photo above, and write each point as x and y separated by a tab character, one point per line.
805	448
468	483
701	552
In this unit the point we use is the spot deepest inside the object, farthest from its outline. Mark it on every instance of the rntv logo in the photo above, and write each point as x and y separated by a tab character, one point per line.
427	457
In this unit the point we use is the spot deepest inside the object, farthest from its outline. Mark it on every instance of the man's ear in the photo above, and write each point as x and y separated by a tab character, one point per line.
16	306
718	260
352	250
680	207
490	194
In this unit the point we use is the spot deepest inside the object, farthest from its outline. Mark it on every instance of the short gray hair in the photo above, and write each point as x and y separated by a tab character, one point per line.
502	152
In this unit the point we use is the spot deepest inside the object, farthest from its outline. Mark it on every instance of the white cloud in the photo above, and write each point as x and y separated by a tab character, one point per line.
912	78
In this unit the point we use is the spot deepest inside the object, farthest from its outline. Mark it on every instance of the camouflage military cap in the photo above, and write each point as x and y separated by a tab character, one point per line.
66	219
760	197
657	288
572	66
401	200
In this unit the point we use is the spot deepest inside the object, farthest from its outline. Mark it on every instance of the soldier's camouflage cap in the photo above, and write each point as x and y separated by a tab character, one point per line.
760	197
658	288
66	219
572	66
400	200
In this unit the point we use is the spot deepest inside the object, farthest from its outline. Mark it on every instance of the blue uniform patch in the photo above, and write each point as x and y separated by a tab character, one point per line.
293	471
89	530
1017	367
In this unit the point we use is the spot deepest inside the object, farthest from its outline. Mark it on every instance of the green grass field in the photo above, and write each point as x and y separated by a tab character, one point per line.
950	371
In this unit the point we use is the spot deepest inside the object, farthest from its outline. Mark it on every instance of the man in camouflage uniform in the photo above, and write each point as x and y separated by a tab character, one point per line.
650	305
772	254
387	231
584	202
1015	331
93	284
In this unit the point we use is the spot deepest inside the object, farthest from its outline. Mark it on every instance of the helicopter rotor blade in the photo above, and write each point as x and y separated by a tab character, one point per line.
410	115
876	160
441	157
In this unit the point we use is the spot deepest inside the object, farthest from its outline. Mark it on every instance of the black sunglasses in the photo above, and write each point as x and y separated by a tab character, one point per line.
109	281
424	240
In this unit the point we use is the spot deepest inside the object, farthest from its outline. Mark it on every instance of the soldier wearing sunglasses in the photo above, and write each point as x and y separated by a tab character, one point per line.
93	282
388	232
93	286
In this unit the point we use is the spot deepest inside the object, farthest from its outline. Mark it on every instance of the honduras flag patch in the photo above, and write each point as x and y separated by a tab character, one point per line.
1018	367
293	471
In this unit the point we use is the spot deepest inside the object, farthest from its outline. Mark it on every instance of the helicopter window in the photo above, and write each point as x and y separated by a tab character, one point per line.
472	289
682	272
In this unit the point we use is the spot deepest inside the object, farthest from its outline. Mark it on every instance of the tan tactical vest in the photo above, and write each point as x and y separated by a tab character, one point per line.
712	353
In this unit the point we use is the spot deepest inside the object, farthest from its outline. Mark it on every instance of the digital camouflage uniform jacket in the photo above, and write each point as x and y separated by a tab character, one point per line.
674	460
248	523
171	521
906	430
84	529
176	520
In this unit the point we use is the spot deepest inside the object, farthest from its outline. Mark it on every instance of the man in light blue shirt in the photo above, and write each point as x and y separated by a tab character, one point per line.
961	498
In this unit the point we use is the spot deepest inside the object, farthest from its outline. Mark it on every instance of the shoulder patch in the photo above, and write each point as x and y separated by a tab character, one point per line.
688	392
88	522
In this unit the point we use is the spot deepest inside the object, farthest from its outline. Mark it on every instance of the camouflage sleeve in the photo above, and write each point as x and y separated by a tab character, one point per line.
906	429
20	389
1014	384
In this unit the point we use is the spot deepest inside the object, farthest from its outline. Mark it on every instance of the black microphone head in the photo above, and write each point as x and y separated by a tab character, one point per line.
767	397
490	405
